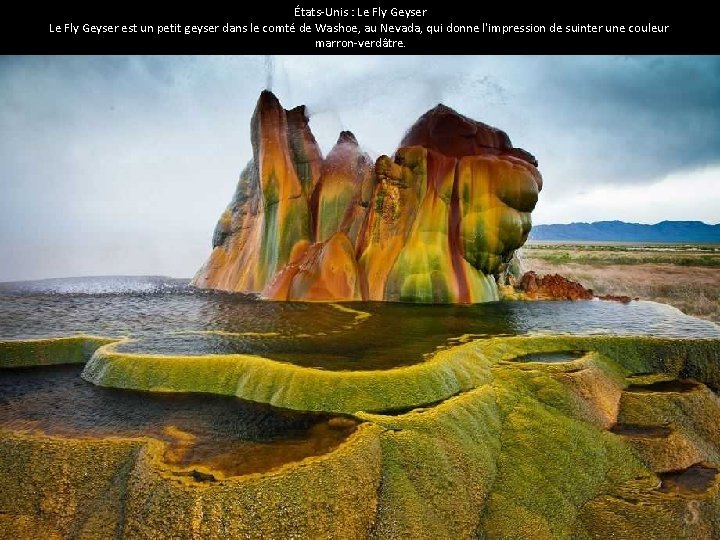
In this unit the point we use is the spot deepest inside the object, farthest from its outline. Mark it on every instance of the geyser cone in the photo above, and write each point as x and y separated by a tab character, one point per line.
340	199
445	130
435	223
269	216
305	150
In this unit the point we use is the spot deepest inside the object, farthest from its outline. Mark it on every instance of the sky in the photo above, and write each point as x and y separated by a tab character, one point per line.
122	165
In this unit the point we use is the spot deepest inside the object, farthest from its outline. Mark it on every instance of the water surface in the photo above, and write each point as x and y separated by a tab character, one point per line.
225	434
168	317
694	480
554	357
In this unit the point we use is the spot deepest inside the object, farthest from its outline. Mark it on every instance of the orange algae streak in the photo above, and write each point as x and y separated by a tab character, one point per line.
306	154
456	250
286	216
395	202
279	286
233	267
325	271
269	214
338	198
332	275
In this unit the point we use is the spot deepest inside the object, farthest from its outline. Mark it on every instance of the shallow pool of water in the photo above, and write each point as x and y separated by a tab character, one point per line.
554	357
224	434
172	318
641	431
696	479
680	386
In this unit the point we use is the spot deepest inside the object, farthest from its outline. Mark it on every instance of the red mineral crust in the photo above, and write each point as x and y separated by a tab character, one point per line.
450	133
554	287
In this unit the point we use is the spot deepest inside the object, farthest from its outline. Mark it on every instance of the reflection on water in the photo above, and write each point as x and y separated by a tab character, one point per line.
680	386
180	320
641	431
229	436
224	434
556	357
696	479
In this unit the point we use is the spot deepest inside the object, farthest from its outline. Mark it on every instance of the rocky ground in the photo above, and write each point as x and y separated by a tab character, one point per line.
687	277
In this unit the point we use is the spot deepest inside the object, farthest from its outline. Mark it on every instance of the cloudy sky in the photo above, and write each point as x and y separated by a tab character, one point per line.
122	165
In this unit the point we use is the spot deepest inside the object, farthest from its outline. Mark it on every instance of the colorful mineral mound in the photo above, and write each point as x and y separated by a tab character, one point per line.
435	223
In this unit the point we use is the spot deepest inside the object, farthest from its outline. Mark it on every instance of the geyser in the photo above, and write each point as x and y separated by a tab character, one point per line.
435	223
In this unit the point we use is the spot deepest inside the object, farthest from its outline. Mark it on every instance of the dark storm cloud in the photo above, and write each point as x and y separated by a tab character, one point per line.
643	117
589	119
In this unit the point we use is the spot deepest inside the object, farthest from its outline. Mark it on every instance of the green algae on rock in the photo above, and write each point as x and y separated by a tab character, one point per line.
443	375
131	493
47	351
525	451
289	386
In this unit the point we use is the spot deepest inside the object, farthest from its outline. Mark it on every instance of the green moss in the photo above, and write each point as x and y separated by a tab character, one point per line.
688	358
515	455
63	488
693	437
289	386
332	209
334	495
445	374
119	488
438	467
633	512
551	462
49	351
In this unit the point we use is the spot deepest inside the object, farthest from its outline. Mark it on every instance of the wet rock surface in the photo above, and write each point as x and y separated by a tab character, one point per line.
675	385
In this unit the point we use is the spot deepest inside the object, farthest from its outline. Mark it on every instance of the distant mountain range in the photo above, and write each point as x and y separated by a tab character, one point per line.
620	231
